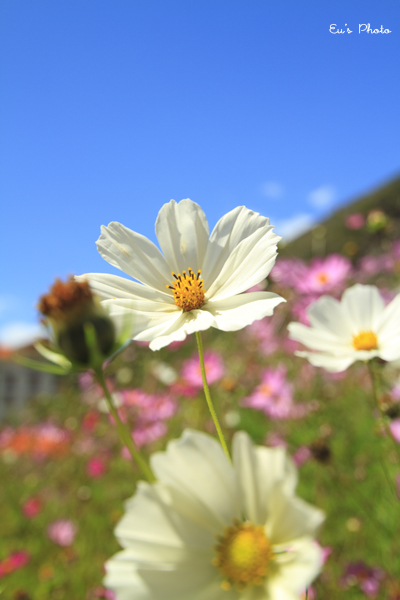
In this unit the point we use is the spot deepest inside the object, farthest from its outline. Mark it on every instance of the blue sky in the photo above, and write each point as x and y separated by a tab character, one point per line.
108	109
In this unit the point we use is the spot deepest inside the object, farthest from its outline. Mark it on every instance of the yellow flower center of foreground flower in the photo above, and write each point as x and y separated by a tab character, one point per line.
366	340
243	555
188	290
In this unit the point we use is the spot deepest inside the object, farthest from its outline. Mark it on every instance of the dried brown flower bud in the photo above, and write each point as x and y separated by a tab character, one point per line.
69	307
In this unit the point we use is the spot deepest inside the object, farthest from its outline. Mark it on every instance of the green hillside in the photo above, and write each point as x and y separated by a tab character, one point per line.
332	235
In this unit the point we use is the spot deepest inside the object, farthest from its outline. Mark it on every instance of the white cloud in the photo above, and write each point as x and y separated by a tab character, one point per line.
272	189
293	227
322	197
19	334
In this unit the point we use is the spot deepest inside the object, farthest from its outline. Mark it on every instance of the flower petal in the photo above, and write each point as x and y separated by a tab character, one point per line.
135	255
200	479
191	579
330	362
249	263
258	470
230	230
189	322
110	287
328	315
182	232
298	568
363	304
290	517
236	312
318	339
171	538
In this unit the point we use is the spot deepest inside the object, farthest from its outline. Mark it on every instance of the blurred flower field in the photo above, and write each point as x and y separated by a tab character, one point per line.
65	476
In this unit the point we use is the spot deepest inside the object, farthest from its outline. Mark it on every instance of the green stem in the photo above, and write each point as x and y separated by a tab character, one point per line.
208	396
123	433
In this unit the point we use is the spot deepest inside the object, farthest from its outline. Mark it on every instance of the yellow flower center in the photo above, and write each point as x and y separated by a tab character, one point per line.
366	340
243	555
188	290
322	278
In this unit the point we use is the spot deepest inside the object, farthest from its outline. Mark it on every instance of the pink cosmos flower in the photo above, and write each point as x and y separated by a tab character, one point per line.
214	369
274	439
263	332
96	467
32	507
368	578
148	432
324	275
13	562
288	271
394	427
355	221
150	407
369	265
62	532
301	456
274	396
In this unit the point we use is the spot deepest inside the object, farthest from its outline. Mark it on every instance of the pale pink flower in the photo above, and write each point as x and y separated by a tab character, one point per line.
274	396
369	265
288	271
394	427
148	432
32	507
324	275
263	332
13	562
96	467
355	221
214	369
62	532
301	456
273	439
150	407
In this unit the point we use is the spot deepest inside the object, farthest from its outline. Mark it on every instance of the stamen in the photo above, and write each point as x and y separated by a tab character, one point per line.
243	555
366	340
188	290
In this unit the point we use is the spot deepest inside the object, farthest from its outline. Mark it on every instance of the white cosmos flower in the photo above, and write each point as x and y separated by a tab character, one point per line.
211	530
197	283
359	327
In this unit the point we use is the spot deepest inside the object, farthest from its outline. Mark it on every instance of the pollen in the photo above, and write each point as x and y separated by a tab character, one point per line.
243	556
188	290
366	340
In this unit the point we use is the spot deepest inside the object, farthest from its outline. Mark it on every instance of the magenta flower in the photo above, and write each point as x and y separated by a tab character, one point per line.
13	562
96	467
288	271
62	532
214	369
148	432
355	221
32	507
274	396
301	456
324	275
368	578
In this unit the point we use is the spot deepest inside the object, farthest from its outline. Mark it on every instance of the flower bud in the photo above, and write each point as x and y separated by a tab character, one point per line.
71	310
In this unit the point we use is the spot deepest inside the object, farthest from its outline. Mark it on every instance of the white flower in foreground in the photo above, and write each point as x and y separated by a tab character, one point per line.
209	530
359	327
197	283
